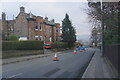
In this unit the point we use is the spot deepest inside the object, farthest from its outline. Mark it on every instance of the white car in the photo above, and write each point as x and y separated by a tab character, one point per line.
22	38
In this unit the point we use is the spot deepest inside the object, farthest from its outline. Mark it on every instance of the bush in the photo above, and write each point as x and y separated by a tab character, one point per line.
22	45
13	38
59	45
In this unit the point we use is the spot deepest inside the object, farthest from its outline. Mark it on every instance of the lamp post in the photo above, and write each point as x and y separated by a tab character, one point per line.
102	24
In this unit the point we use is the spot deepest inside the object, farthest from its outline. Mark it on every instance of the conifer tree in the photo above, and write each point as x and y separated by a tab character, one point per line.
68	31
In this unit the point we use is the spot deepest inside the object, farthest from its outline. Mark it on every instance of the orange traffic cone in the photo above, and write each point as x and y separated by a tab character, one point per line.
75	51
55	58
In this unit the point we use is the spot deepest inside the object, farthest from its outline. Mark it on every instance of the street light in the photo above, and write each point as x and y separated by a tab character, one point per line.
102	24
101	4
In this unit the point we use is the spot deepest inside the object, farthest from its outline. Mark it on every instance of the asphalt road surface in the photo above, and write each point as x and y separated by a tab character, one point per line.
70	65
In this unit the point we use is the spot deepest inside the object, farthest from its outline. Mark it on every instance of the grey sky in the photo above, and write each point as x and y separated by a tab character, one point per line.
54	10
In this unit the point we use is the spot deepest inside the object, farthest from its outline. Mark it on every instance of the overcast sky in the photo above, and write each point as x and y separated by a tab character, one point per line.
53	9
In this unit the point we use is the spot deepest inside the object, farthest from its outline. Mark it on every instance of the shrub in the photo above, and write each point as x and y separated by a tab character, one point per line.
13	38
59	45
22	45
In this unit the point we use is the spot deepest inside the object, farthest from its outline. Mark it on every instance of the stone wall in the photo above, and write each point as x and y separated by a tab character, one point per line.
58	34
31	30
4	30
21	25
48	33
0	29
38	32
10	27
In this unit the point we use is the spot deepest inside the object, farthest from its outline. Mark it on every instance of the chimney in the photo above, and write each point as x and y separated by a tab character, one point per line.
3	16
31	15
46	18
53	20
22	9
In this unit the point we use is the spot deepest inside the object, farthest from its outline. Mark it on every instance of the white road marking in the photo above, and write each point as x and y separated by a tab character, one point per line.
15	75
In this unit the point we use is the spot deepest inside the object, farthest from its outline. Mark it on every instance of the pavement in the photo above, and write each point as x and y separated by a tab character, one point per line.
98	67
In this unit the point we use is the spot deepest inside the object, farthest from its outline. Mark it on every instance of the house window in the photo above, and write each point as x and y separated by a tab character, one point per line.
40	26
11	28
36	37
57	29
41	38
36	26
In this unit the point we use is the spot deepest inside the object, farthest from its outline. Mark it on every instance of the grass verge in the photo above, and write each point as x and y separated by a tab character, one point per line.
19	53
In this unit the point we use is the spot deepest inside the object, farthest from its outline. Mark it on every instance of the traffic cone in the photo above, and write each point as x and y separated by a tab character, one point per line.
55	58
75	51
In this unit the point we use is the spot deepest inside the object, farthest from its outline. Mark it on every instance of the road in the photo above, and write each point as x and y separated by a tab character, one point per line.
70	65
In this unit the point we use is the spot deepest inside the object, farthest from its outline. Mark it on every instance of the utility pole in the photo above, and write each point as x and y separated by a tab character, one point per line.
102	25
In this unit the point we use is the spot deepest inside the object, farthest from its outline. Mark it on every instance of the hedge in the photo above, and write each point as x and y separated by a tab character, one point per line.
22	45
59	45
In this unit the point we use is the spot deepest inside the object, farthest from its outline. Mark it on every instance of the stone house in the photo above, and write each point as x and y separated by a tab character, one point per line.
0	29
3	26
32	27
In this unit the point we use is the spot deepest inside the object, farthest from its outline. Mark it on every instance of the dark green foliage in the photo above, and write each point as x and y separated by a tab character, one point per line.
13	38
22	45
68	31
59	45
109	16
119	22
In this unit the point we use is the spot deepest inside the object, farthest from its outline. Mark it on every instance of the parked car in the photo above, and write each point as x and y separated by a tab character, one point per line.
47	45
22	38
81	48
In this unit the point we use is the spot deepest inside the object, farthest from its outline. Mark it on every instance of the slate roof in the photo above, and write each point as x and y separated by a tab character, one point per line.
28	15
51	23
